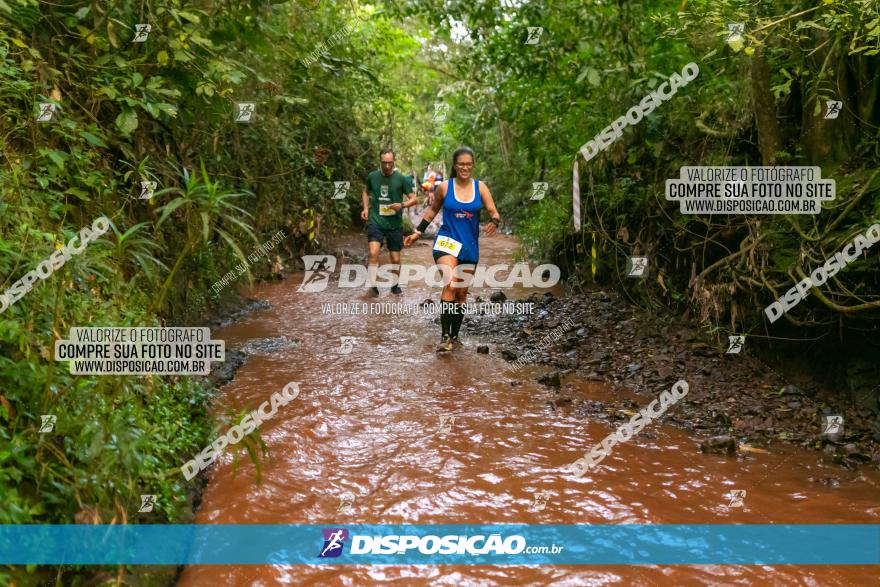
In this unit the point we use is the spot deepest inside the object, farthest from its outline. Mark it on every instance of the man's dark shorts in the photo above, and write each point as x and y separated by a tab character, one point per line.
394	236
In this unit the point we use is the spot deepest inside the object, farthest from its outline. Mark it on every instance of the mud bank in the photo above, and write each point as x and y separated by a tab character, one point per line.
734	399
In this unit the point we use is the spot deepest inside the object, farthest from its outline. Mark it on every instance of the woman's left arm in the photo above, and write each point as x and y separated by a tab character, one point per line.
489	205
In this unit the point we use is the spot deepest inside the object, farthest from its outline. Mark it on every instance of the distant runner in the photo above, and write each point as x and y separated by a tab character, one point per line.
383	202
456	241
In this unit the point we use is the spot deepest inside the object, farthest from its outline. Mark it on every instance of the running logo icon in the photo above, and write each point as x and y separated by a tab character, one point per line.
637	267
832	109
148	188
736	498
833	425
346	500
541	498
440	110
334	542
47	112
340	189
446	422
318	271
535	33
735	344
346	344
47	423
141	32
147	503
244	111
539	190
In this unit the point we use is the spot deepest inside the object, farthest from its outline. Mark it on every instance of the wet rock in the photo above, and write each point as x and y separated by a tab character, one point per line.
222	373
719	445
483	349
429	302
633	367
551	379
598	357
722	419
497	297
582	332
249	306
508	355
850	450
267	346
792	390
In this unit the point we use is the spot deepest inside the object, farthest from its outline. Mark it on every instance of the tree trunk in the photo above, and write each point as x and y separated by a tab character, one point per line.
764	107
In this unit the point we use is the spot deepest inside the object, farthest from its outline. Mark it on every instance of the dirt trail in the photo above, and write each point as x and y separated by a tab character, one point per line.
367	425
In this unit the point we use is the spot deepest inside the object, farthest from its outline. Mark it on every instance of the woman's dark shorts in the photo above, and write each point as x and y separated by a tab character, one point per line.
438	254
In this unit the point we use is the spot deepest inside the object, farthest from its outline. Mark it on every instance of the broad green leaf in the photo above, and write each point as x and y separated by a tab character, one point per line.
92	139
188	16
81	194
127	121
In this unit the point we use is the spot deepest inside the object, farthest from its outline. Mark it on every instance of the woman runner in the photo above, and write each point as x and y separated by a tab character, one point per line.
461	199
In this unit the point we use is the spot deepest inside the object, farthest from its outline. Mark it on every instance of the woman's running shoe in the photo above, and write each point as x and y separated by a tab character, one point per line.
445	344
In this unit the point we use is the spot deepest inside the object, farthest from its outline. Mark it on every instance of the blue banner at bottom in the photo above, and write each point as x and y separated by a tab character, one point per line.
508	544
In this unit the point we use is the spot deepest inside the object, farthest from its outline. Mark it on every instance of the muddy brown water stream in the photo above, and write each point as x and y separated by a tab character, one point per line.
366	424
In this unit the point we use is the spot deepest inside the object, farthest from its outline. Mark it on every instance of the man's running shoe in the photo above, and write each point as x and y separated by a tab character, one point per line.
445	345
456	342
395	289
374	291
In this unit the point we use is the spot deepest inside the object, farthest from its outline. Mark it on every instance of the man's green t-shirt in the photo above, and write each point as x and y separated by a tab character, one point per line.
383	192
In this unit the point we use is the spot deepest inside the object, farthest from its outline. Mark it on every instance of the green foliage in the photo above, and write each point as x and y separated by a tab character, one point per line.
160	110
527	108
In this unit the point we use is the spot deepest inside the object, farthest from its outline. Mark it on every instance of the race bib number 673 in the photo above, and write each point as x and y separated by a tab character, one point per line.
447	245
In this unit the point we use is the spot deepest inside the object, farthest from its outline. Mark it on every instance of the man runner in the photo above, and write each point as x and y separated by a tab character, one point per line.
383	202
